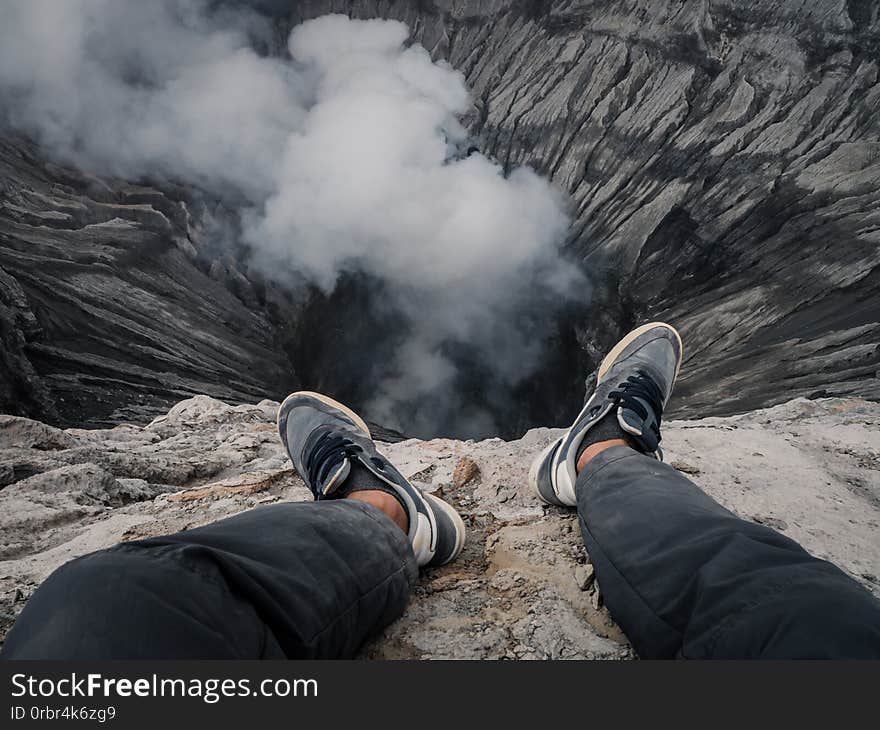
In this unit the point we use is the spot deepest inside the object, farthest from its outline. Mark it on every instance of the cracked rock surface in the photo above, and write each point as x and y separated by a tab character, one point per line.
723	163
523	587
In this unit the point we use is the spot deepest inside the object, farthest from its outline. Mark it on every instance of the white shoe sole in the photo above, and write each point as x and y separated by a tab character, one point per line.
359	422
460	530
535	468
615	351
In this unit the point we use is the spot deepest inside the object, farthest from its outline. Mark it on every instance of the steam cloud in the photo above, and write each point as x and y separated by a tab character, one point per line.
347	153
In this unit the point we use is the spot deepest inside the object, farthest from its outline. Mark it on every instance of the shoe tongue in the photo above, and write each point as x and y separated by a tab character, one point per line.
335	478
639	431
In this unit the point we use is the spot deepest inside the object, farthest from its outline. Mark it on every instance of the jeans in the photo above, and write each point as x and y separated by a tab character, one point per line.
686	578
302	581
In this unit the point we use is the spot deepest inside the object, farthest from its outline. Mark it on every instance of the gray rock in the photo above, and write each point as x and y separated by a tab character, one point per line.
23	433
108	312
584	576
722	161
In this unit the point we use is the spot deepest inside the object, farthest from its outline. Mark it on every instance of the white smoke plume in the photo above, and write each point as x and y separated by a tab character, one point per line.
347	152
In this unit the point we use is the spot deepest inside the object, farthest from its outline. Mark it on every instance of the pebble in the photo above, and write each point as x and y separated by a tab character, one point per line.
584	576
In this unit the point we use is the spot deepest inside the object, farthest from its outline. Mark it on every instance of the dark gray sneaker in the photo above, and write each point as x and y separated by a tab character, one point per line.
636	378
322	438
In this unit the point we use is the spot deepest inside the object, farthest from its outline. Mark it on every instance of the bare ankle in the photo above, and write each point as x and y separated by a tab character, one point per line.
595	449
385	502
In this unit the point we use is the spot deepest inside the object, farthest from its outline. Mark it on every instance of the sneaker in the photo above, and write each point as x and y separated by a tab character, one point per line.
636	378
323	438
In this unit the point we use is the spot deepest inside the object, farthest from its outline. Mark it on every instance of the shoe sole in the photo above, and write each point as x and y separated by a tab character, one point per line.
533	473
615	351
460	529
358	421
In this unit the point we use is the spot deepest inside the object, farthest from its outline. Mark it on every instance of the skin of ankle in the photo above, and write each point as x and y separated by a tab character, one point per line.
385	502
596	449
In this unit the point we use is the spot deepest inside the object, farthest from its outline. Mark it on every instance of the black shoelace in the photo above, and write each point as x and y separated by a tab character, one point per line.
636	389
327	454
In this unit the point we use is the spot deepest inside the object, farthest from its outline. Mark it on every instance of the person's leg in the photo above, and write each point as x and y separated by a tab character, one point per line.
682	575
298	580
685	577
290	580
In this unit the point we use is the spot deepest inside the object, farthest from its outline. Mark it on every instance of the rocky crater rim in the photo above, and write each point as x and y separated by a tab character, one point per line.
523	587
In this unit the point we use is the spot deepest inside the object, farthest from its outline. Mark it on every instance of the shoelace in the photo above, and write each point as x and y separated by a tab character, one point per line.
327	454
640	386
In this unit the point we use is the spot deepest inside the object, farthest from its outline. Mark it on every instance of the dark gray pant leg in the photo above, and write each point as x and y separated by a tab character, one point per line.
685	577
299	581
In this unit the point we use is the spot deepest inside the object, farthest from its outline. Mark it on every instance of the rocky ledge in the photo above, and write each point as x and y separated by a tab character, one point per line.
524	586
